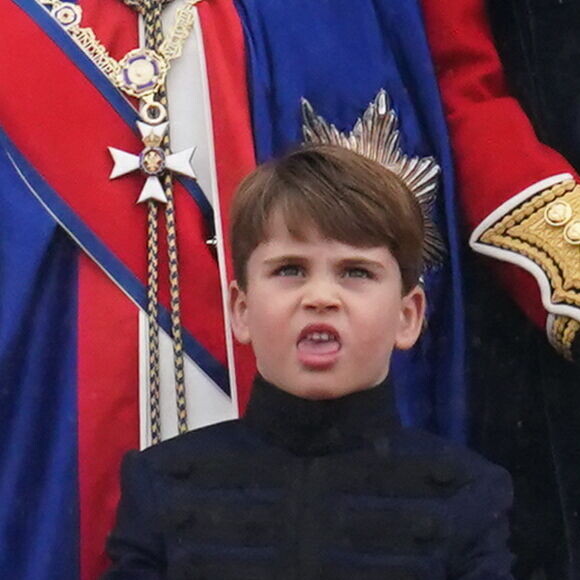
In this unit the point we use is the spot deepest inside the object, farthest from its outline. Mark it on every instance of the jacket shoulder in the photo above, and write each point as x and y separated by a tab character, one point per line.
177	455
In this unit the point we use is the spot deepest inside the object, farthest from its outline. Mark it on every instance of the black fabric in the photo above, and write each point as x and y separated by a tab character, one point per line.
311	490
525	413
539	44
318	427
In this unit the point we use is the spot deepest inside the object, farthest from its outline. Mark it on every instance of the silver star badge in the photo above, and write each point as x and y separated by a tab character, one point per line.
152	161
376	136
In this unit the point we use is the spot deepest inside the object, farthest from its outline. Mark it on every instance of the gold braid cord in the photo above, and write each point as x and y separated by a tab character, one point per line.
152	311
545	230
141	6
150	15
178	357
157	34
563	331
151	10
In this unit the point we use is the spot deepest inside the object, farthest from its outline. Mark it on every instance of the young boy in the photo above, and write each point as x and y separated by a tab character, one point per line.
318	480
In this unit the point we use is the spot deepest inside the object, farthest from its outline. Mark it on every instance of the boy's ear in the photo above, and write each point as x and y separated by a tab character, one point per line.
411	318
238	312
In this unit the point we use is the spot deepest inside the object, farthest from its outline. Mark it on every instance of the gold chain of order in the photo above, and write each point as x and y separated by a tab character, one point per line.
170	49
158	52
172	45
87	40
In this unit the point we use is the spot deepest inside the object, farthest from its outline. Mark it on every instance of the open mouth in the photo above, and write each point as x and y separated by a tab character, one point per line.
318	346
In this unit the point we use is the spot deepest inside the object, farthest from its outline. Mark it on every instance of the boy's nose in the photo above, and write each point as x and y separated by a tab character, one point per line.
321	296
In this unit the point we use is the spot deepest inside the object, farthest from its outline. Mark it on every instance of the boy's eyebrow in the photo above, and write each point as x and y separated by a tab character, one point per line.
283	259
351	261
362	261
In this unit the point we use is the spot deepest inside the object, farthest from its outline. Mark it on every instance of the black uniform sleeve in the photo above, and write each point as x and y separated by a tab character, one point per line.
136	544
483	553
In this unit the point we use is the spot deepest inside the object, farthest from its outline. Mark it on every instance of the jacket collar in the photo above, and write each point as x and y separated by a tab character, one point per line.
305	427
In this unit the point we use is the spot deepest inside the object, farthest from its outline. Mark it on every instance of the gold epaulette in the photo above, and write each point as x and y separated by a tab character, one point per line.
540	231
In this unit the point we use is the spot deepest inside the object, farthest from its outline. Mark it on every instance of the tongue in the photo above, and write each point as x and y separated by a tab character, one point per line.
318	347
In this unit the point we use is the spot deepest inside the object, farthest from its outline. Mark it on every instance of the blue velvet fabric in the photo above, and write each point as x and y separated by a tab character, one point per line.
38	453
338	54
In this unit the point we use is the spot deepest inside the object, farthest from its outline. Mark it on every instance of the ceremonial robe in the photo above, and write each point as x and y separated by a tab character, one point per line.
74	244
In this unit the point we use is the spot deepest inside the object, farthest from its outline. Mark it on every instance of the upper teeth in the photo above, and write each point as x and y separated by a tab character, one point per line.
320	336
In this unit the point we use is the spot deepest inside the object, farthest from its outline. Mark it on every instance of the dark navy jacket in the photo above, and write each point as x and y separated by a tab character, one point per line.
305	490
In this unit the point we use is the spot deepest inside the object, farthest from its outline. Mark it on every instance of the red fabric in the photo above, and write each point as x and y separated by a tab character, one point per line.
65	132
74	124
497	153
234	149
108	372
108	406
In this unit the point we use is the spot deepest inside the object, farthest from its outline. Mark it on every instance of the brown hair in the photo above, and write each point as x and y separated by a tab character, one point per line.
345	196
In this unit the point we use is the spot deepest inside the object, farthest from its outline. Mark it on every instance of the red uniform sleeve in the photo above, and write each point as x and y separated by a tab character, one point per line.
518	197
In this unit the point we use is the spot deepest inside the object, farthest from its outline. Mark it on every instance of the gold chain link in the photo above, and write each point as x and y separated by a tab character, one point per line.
170	49
172	46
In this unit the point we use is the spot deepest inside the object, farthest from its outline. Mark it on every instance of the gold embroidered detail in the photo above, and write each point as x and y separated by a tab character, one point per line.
558	213
563	331
527	232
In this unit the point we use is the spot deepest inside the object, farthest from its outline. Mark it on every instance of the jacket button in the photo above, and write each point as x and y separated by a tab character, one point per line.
334	436
382	447
425	529
185	520
442	474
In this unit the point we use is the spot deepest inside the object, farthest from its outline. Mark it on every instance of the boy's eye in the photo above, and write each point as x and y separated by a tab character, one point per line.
289	270
358	273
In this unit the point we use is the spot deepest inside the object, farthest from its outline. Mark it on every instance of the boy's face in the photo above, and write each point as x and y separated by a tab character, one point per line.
322	316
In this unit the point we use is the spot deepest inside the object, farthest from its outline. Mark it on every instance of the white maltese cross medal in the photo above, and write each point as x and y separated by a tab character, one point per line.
152	162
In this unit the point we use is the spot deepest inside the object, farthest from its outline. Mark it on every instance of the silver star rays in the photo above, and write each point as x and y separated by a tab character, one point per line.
377	137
